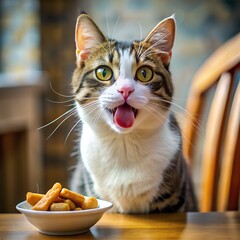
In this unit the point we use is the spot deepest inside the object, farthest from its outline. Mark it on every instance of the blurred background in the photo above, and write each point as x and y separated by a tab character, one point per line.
37	59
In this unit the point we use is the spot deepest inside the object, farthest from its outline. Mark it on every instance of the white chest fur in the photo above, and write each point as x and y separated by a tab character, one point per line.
127	169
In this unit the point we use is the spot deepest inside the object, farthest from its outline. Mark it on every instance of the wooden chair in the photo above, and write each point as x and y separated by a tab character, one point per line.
218	80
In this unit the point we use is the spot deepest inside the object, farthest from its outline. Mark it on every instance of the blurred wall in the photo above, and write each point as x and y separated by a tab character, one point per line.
202	26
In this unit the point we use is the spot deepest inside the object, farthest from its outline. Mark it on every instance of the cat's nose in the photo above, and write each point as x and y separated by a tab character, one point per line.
126	91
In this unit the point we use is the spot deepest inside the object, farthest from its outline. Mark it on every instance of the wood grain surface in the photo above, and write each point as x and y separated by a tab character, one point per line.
212	225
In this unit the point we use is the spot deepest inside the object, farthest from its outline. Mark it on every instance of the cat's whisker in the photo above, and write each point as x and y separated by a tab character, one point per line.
140	29
95	106
179	130
199	132
89	98
149	109
59	94
115	26
108	30
72	130
197	124
71	105
64	120
94	99
106	17
67	112
70	100
90	104
97	115
176	105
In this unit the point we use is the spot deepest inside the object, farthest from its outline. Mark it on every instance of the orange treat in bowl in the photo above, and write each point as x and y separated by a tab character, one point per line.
48	199
77	198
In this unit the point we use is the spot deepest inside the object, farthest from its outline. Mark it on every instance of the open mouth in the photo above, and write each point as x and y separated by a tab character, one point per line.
124	115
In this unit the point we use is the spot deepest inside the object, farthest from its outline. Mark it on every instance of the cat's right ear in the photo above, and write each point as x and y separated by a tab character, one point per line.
87	36
162	38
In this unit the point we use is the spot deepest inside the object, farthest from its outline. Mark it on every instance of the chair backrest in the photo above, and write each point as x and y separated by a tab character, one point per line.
216	85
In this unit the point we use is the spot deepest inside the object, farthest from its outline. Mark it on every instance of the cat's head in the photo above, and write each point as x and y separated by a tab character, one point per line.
123	85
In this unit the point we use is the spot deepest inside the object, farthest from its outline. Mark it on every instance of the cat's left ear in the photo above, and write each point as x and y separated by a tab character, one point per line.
87	37
162	38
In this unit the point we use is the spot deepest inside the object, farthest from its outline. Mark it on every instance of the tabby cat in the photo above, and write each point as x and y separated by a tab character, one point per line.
130	147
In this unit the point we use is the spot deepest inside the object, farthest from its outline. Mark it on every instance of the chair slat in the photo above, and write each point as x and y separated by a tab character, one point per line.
190	130
229	154
210	149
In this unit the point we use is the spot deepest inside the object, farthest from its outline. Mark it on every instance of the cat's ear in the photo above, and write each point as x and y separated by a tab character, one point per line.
162	38
87	36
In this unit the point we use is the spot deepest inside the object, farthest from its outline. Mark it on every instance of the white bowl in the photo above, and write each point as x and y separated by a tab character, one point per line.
64	222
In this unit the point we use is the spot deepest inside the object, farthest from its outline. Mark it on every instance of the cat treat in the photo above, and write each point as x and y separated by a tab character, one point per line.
59	207
71	204
33	198
78	199
50	197
90	202
60	199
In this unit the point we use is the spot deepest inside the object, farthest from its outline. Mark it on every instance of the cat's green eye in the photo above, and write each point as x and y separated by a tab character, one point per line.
104	73
144	74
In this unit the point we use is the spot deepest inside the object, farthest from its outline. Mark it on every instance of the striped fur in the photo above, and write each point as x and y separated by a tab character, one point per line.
140	167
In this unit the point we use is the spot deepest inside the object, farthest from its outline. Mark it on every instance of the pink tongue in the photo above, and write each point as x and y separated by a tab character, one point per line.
124	116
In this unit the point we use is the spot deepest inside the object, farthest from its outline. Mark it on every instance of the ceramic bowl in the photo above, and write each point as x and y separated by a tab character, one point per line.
64	222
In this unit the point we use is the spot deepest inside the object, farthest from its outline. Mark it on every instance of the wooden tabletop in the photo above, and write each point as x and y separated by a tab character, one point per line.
192	226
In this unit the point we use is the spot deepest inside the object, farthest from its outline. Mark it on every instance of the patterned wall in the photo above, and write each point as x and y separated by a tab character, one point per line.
20	38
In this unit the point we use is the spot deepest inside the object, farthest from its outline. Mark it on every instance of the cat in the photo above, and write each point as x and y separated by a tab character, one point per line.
130	146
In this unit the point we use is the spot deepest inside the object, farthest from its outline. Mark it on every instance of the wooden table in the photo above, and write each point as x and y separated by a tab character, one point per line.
192	226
